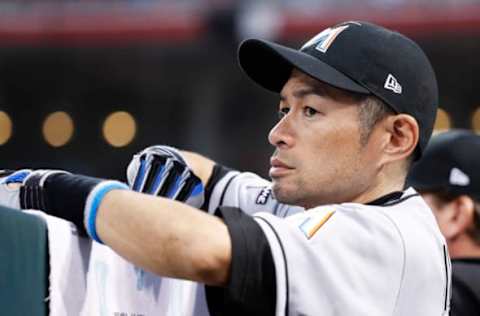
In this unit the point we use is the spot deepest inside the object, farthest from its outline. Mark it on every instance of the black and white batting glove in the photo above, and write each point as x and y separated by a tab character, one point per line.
161	170
74	198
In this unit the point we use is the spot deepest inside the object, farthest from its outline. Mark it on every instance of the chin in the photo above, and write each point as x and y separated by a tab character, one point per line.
287	196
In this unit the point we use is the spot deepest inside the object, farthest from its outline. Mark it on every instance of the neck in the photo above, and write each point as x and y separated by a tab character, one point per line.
379	188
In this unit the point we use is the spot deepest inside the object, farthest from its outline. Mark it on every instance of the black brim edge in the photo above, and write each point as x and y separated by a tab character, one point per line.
270	66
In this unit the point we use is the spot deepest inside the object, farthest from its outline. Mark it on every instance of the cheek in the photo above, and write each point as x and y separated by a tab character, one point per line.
441	218
341	147
334	158
332	145
335	135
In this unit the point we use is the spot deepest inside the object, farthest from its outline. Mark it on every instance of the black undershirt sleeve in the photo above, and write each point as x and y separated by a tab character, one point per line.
251	289
218	173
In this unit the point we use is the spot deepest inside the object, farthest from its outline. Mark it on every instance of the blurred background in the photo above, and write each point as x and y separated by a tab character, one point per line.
85	84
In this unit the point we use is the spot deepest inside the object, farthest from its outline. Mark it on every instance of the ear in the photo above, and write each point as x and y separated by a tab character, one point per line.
403	133
461	217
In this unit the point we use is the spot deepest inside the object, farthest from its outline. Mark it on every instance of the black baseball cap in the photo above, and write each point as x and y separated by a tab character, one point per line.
355	56
450	164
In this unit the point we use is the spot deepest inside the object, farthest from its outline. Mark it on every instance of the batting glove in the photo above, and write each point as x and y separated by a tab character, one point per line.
161	170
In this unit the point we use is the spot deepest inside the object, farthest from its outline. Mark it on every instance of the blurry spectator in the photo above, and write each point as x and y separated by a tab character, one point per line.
448	177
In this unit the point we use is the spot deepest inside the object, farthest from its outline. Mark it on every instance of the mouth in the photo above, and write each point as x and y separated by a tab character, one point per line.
278	168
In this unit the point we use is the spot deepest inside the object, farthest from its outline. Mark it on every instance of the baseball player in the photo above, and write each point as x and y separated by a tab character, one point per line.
357	106
448	177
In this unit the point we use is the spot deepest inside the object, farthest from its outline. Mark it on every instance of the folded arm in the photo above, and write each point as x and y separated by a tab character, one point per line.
166	237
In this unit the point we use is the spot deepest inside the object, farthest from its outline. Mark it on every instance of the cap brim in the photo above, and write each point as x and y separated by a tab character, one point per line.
270	66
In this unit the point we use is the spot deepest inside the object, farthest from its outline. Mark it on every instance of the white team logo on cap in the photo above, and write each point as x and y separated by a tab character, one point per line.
458	177
392	84
324	39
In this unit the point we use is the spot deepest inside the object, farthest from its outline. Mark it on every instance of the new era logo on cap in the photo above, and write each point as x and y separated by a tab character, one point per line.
458	177
392	84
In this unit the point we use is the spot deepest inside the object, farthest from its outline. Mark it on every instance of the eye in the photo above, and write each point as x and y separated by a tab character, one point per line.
282	112
309	111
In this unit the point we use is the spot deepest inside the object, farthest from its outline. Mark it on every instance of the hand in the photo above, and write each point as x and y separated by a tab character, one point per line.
15	176
10	188
161	170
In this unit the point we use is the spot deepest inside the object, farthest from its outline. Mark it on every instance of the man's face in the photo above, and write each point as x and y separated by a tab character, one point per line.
319	158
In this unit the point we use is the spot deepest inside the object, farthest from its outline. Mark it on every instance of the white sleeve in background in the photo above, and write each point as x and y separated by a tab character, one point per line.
250	193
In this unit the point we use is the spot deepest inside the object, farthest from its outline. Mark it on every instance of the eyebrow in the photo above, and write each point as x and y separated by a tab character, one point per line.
303	92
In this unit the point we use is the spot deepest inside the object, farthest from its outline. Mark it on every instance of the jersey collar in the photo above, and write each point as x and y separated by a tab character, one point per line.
388	198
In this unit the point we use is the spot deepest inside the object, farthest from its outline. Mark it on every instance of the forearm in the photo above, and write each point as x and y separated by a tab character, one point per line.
201	166
165	237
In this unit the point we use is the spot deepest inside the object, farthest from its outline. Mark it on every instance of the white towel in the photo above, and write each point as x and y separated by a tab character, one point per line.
68	258
117	287
89	279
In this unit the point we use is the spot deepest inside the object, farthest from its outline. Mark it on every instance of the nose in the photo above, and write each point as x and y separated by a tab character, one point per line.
282	135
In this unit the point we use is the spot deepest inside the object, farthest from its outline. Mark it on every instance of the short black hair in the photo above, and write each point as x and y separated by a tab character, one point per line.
371	110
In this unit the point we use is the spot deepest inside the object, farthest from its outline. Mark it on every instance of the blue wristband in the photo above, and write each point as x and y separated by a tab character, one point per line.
94	199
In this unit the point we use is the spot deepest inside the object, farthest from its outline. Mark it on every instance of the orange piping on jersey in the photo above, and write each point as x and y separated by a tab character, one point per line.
320	224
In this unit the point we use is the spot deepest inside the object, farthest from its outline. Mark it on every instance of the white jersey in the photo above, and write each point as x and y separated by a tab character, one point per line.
355	259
